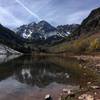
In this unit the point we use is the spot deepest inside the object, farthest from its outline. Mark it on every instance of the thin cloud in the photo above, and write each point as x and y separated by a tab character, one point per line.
8	19
14	13
30	12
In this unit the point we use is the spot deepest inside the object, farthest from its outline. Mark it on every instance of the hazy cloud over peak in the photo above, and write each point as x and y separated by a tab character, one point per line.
14	13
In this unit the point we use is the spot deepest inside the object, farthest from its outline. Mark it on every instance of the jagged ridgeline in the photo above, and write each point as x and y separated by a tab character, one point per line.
43	33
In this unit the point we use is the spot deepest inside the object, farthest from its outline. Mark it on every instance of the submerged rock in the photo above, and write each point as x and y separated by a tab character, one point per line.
95	87
48	97
86	97
98	65
69	93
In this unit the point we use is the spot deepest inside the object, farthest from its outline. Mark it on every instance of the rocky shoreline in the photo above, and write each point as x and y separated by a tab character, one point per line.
92	92
93	61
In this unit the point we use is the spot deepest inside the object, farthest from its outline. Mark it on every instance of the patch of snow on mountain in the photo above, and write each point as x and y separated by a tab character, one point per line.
27	35
68	33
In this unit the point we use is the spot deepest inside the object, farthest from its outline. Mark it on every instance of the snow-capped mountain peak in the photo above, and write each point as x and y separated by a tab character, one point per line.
44	31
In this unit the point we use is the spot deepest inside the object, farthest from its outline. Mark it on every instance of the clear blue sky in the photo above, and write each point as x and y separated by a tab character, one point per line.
14	13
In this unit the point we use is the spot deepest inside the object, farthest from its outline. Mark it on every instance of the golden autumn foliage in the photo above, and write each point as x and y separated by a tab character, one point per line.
87	44
95	44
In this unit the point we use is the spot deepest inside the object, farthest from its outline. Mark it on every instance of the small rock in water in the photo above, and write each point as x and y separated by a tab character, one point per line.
67	76
95	93
85	74
84	67
48	97
98	65
95	87
69	92
65	90
89	83
86	97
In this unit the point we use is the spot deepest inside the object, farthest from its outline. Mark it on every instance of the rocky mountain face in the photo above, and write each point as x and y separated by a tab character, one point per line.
90	25
35	31
45	32
67	28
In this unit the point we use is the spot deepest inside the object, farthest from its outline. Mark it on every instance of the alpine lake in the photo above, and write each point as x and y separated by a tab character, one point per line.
31	78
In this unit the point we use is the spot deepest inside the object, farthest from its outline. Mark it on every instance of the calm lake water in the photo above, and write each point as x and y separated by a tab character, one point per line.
31	78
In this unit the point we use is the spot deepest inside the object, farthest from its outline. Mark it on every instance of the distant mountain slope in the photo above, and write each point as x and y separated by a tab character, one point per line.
9	38
86	38
90	25
67	28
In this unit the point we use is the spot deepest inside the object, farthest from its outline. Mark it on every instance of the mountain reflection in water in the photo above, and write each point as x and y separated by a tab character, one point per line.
42	71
